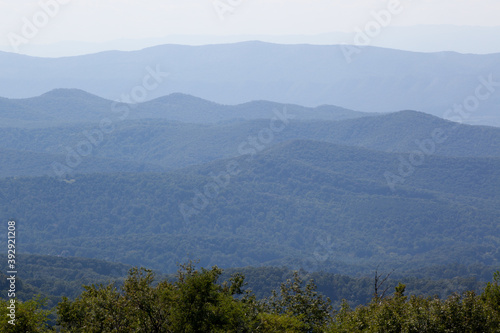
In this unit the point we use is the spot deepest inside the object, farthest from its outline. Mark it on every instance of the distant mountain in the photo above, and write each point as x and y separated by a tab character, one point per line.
156	145
408	131
69	106
366	79
185	108
55	107
422	38
309	204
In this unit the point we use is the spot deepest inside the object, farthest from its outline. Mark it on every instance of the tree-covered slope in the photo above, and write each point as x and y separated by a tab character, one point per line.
173	145
15	163
71	106
307	203
58	276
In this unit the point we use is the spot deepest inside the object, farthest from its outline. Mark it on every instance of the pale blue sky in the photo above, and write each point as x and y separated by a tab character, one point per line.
106	20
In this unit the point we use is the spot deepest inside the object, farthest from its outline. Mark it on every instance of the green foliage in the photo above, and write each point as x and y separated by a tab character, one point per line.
302	303
194	303
491	297
278	323
29	316
205	306
97	309
467	312
197	302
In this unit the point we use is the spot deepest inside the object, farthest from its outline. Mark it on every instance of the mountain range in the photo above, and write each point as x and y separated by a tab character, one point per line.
368	79
423	38
154	157
70	106
259	183
178	130
301	203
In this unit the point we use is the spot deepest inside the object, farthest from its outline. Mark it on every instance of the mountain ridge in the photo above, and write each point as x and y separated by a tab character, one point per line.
65	106
373	79
172	145
273	209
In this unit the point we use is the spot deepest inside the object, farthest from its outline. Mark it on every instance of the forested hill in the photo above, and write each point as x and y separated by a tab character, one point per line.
71	106
479	177
161	145
304	203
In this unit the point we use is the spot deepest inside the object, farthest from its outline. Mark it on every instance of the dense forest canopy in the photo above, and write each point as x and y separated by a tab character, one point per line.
197	301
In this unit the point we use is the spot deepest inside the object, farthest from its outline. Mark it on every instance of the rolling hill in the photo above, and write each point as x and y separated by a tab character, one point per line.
147	145
303	203
375	79
73	106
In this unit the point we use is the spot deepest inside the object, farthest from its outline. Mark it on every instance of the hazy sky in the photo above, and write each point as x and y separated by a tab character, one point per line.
102	20
27	26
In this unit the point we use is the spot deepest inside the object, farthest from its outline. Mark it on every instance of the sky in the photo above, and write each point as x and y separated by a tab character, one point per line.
102	21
